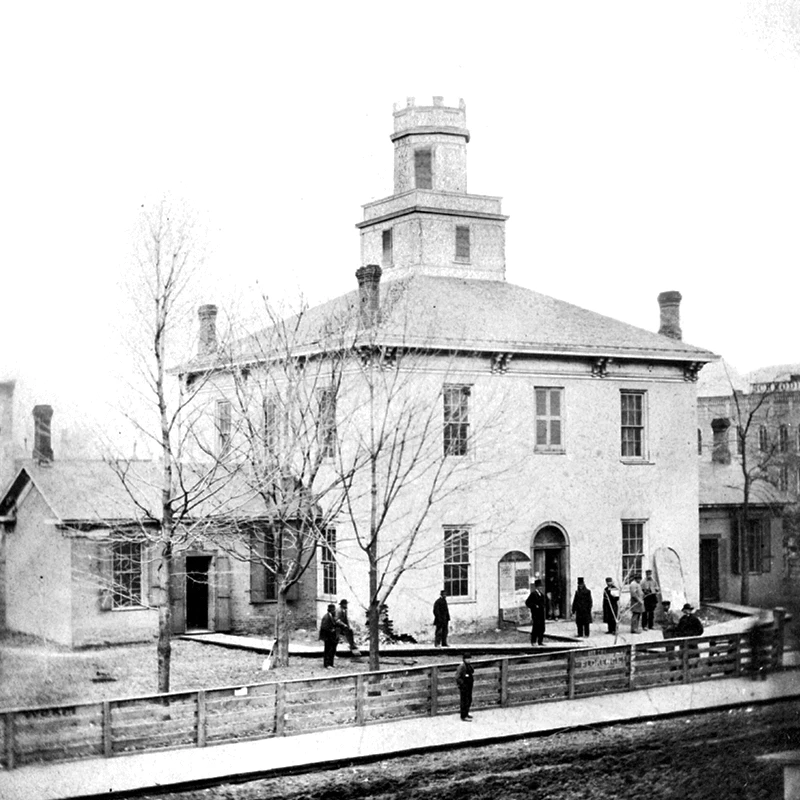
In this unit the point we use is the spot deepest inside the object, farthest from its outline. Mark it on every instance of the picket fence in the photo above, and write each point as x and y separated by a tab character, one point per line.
261	710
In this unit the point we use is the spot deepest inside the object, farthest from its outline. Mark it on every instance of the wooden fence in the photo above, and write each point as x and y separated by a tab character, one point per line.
212	716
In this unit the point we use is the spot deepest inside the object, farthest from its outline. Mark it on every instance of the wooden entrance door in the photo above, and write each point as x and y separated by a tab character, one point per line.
709	569
197	594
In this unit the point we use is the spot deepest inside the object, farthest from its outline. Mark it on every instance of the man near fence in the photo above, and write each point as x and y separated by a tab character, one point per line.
610	605
689	624
637	604
465	673
441	620
582	608
669	620
536	603
329	636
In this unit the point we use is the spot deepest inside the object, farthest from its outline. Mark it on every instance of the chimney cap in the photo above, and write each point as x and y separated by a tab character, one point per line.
669	297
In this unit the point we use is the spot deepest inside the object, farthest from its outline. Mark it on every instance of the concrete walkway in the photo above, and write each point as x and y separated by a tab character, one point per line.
195	767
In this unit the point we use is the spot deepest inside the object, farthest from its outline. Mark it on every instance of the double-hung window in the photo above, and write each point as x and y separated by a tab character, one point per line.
633	432
328	562
549	419
272	426
423	168
462	243
757	548
456	562
223	426
388	247
456	420
263	566
326	421
126	574
632	548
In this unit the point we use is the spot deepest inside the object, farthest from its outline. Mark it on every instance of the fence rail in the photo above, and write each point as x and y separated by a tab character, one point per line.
224	715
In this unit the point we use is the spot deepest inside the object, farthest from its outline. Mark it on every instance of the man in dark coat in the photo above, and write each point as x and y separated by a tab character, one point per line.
441	620
650	591
329	635
689	624
464	680
343	624
582	608
611	605
536	603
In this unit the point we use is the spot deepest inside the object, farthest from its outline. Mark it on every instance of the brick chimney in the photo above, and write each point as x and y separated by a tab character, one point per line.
721	453
207	338
42	443
369	294
670	303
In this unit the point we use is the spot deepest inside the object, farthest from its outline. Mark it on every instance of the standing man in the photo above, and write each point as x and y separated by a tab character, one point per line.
610	606
650	591
637	604
669	620
441	620
582	608
343	624
329	636
536	603
464	680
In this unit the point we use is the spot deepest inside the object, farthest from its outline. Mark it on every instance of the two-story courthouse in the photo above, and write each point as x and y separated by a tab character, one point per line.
592	459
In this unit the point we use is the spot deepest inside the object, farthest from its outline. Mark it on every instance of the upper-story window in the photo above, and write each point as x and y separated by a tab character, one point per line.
223	425
272	426
456	420
633	430
328	561
783	438
739	441
388	255
462	243
699	441
423	168
549	419
326	421
763	439
783	478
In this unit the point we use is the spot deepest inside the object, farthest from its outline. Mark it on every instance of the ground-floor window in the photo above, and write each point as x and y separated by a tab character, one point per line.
263	566
632	548
328	559
456	562
757	546
126	574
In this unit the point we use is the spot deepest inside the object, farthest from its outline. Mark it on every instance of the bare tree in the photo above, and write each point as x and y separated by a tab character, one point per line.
171	502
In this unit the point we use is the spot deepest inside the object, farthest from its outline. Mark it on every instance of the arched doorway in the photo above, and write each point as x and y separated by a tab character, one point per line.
550	548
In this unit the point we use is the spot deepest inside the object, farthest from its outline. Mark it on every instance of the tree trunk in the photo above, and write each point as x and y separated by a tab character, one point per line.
280	652
164	645
373	612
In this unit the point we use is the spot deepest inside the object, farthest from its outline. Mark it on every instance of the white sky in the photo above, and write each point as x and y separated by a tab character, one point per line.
639	147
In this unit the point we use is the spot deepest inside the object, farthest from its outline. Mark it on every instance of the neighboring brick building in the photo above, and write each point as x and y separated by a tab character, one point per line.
764	425
594	459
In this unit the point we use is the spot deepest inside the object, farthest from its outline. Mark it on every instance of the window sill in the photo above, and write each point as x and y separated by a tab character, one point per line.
126	609
637	462
550	451
462	261
451	601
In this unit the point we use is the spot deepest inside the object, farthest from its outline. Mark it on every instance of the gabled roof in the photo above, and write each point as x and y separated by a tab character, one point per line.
91	491
464	314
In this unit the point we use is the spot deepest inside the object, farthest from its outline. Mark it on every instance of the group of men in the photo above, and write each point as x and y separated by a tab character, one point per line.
335	623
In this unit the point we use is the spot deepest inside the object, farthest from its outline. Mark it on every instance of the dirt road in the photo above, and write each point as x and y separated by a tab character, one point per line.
706	756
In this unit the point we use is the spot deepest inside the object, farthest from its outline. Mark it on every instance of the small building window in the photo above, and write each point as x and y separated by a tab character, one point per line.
456	562
326	421
632	548
328	561
758	550
223	425
423	168
763	439
456	420
263	566
126	574
549	419
462	243
633	424
783	438
387	247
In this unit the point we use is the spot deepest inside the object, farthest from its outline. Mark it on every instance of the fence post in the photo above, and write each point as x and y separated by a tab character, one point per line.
359	699
685	660
571	674
434	682
503	682
631	665
108	742
280	709
737	655
9	726
780	635
201	718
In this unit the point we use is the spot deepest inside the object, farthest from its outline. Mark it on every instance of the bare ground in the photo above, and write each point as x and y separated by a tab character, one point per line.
709	757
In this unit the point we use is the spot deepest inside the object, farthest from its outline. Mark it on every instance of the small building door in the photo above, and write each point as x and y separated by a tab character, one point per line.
197	592
709	569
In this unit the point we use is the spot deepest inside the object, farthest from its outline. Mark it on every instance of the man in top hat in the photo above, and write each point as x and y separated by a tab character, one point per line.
536	603
329	636
343	624
441	620
689	624
611	605
582	608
